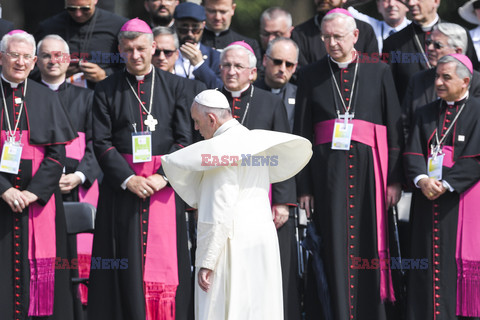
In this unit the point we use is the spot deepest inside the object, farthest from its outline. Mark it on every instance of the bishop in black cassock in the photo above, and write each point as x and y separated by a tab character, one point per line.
349	194
140	220
446	287
35	283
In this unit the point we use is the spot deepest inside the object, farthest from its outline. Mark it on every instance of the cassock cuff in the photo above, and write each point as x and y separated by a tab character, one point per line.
124	184
418	178
447	185
81	176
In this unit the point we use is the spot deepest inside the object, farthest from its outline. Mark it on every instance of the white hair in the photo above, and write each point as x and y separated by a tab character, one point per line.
349	21
221	114
252	60
20	37
66	49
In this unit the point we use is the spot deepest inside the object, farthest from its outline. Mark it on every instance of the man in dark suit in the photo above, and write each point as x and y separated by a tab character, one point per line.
195	60
406	49
307	34
446	38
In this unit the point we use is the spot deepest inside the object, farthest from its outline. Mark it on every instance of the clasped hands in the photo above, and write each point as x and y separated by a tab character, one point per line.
431	188
146	187
18	200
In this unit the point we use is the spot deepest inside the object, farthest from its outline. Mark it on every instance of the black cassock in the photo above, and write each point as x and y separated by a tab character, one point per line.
421	91
343	182
78	104
431	290
266	111
47	126
122	218
219	42
307	36
404	54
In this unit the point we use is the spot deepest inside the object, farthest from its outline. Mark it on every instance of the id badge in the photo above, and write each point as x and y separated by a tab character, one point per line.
342	135
11	156
142	146
434	166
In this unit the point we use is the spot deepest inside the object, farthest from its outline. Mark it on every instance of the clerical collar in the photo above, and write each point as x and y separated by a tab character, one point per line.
141	77
429	26
217	33
13	85
343	65
224	127
276	91
236	94
464	97
53	86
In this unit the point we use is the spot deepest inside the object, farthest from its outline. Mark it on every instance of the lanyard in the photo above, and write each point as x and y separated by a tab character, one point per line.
346	116
419	45
149	111
435	148
10	132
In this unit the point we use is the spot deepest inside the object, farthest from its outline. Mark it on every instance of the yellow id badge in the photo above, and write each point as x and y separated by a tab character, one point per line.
142	146
11	156
434	166
342	135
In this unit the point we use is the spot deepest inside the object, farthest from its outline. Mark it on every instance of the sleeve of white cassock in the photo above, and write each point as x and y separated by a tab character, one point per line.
219	196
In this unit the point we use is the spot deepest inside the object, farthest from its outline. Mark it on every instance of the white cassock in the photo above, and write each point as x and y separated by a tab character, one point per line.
236	236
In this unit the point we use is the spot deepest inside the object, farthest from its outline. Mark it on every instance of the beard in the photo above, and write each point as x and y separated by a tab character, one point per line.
162	20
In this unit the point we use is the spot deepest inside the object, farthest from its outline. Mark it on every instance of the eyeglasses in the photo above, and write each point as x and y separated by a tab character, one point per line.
167	53
15	56
75	8
437	45
336	37
186	30
236	67
279	62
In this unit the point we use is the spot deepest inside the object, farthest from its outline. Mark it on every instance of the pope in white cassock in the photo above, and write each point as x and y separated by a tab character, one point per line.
227	177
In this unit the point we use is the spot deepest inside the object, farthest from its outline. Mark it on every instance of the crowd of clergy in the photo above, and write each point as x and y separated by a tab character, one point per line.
91	101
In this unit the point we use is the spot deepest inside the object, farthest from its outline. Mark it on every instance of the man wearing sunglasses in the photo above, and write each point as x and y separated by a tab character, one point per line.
410	42
195	61
446	38
91	34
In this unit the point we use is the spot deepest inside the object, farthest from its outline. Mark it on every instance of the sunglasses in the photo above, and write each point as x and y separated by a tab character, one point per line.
185	30
75	8
167	53
437	45
279	62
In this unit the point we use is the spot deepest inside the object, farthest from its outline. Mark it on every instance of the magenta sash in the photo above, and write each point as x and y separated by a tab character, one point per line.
41	240
76	150
161	272
467	253
375	136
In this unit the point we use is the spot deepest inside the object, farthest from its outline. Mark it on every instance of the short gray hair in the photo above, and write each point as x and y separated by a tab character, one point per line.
457	35
130	35
66	49
252	60
461	70
279	39
160	30
222	114
350	21
21	37
275	13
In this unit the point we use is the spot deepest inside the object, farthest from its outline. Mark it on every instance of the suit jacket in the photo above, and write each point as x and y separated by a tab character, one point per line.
421	91
402	49
287	93
5	27
307	36
209	71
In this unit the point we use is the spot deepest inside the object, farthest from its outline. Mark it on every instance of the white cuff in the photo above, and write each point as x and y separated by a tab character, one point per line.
418	178
81	176
124	184
447	185
198	65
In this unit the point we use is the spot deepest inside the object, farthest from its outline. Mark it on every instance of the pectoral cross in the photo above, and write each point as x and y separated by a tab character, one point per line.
346	116
151	122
